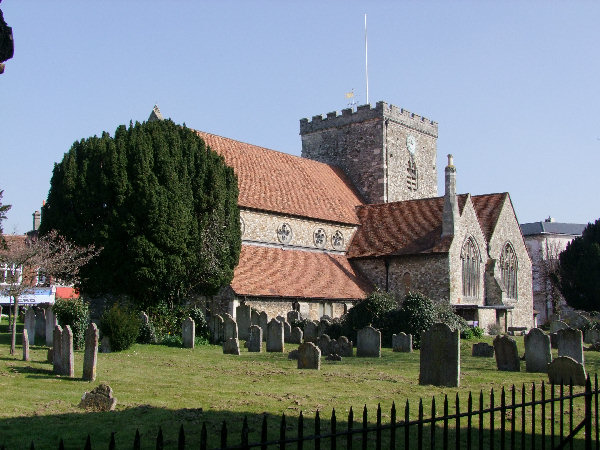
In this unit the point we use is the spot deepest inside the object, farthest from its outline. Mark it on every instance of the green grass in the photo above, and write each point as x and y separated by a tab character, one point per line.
158	385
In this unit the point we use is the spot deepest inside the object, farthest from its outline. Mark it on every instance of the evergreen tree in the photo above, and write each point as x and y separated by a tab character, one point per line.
160	203
579	270
3	210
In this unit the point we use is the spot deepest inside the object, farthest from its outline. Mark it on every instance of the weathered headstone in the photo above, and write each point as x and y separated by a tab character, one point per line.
293	316
570	343
90	357
231	347
40	326
591	336
30	324
483	349
255	317
280	318
344	346
311	331
553	340
324	325
296	335
216	326
68	363
57	350
538	353
440	356
402	342
99	399
50	324
564	370
263	321
275	336
287	330
255	339
309	356
188	333
368	343
324	343
230	329
507	355
556	325
243	317
25	345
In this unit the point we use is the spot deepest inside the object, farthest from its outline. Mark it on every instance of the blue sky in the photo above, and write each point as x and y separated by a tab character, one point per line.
514	86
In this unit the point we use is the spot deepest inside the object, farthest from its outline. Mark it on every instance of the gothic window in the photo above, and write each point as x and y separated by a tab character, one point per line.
412	180
337	240
470	268
284	233
319	237
508	270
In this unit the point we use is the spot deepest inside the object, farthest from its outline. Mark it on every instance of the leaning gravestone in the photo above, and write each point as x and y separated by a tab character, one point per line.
50	324
482	349
368	343
275	336
287	331
40	326
216	325
90	357
57	350
30	324
538	353
507	355
243	317
255	339
564	370
344	346
309	356
402	342
231	347
25	345
440	356
263	321
67	352
311	331
293	316
188	333
324	344
296	335
570	343
556	325
230	329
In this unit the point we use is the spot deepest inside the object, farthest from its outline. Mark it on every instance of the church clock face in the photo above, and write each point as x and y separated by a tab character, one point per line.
411	144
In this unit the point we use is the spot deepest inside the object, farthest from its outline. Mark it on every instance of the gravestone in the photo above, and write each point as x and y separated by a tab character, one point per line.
553	340
293	316
0	314
254	317
293	355
570	343
324	325
90	357
280	318
188	333
556	325
287	330
231	347
564	370
275	336
255	339
25	345
105	345
40	326
296	335
263	321
243	317
30	324
483	349
230	329
591	336
309	356
440	356
216	329
368	343
507	355
333	357
538	353
402	342
50	324
324	343
57	350
67	352
99	399
344	346
311	332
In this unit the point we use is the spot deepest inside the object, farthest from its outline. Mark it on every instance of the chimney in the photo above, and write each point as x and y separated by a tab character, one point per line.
450	214
37	218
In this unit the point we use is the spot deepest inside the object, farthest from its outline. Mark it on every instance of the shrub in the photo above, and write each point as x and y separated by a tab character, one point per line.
467	334
76	314
121	325
444	313
147	333
417	314
166	320
371	311
478	332
202	330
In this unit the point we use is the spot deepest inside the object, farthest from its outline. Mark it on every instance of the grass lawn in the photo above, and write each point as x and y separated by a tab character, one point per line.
157	385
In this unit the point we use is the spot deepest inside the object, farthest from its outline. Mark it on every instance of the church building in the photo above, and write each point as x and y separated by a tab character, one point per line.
359	211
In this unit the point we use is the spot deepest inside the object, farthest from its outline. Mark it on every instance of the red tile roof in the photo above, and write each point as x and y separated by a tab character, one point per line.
276	272
415	226
273	181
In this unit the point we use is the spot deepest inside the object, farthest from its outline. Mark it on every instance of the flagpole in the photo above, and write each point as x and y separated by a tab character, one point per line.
366	60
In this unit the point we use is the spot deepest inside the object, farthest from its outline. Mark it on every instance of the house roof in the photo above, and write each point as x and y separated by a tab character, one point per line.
571	229
273	181
277	272
415	226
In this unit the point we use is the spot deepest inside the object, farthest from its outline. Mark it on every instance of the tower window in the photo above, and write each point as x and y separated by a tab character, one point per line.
412	180
470	268
508	270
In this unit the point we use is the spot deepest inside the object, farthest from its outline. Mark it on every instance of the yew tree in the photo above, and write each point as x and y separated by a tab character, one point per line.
159	202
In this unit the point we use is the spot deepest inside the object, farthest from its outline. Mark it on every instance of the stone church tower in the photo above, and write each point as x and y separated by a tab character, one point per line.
388	153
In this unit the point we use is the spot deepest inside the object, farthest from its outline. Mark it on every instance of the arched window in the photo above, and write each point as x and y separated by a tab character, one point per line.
508	270
470	268
412	179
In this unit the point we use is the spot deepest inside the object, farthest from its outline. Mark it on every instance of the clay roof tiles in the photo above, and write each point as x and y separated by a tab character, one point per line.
277	272
278	182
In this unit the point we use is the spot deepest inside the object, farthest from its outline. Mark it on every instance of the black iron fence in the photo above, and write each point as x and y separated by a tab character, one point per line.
555	418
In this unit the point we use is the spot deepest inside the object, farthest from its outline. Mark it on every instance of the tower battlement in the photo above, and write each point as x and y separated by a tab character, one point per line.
366	112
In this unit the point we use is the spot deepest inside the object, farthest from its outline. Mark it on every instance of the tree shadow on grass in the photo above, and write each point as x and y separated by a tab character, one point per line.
37	372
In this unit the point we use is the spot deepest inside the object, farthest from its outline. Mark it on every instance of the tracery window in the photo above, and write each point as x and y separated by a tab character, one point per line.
470	268
508	270
412	180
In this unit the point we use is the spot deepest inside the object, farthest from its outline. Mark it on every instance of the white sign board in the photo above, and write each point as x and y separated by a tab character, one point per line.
33	296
